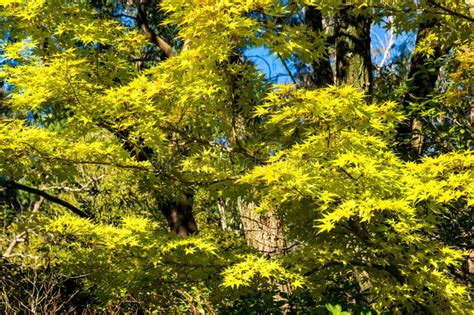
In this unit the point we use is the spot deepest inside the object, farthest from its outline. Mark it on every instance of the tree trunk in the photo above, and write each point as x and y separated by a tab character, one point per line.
322	73
352	38
178	214
263	232
180	217
422	79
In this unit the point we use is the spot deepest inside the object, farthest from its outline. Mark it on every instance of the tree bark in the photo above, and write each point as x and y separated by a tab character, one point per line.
322	74
180	217
422	78
352	39
154	38
263	232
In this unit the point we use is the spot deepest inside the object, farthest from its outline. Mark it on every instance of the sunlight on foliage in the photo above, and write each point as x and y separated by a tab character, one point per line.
176	159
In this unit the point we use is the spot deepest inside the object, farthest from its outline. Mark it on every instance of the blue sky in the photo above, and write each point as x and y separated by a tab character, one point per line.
270	64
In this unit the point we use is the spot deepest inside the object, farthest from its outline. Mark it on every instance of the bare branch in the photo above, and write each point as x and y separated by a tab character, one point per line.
388	47
14	185
70	189
104	163
17	239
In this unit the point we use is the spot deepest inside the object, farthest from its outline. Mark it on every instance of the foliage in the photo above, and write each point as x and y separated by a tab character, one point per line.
340	182
99	116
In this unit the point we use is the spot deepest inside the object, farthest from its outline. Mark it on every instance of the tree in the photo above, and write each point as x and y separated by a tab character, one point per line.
141	116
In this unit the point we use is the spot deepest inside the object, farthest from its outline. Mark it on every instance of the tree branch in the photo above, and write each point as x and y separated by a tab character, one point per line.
17	239
10	184
142	21
287	68
105	163
451	12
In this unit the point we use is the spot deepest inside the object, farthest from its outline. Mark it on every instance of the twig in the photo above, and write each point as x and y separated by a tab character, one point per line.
118	165
82	188
287	68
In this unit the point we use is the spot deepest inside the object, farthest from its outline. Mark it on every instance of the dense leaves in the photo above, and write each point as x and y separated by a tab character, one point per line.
146	117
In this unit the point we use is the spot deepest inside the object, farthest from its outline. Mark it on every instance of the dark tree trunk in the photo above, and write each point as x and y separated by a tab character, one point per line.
422	78
4	110
180	217
178	214
352	38
9	203
322	74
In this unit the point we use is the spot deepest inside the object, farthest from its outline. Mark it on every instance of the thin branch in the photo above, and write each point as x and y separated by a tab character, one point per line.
451	12
134	167
269	72
37	204
287	68
318	268
347	173
191	138
445	10
10	184
118	165
392	270
82	188
125	16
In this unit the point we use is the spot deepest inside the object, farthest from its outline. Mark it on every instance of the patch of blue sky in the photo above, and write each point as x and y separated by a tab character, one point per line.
222	141
127	20
270	64
386	45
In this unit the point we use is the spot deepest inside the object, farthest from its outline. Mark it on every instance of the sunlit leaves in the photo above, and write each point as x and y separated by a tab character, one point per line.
340	175
93	125
251	268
